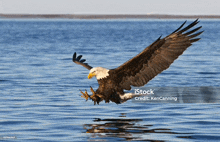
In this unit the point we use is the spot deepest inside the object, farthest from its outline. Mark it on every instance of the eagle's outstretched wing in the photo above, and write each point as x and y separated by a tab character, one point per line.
156	58
80	62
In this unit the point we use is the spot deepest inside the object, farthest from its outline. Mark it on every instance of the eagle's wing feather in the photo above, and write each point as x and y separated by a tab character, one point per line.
156	57
80	62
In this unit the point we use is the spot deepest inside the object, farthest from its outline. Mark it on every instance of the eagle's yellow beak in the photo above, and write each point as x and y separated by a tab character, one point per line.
91	75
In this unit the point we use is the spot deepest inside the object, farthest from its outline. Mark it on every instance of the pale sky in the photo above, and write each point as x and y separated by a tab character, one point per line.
188	7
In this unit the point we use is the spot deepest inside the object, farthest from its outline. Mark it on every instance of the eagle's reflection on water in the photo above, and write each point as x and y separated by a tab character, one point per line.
128	130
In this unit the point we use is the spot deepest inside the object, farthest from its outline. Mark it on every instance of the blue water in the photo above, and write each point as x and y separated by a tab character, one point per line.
39	83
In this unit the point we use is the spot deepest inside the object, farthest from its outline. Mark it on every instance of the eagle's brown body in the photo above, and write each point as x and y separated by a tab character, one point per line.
109	88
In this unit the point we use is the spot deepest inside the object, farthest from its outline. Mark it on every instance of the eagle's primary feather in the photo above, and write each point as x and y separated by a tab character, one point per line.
139	70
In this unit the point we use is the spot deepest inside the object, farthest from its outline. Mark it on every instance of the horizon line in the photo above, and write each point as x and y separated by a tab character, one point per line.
109	16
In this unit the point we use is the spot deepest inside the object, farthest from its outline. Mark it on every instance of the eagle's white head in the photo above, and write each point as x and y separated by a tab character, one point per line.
98	72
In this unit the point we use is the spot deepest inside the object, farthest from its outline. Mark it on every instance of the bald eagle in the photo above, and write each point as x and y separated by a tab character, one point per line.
139	70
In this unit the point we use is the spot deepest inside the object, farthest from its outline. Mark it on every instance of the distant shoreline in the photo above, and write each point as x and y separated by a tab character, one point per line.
118	16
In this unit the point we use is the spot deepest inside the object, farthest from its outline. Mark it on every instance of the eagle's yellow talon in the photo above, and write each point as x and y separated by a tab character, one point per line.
85	95
93	93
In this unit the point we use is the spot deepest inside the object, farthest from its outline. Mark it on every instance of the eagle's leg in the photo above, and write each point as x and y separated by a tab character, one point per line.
85	95
93	92
94	97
